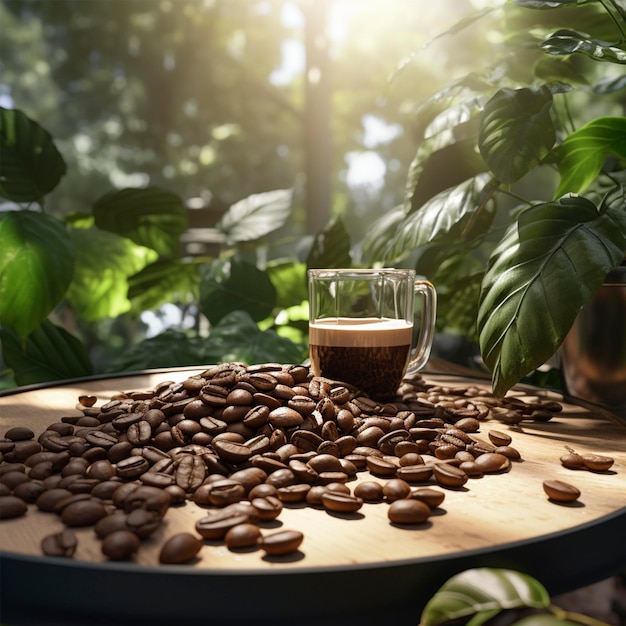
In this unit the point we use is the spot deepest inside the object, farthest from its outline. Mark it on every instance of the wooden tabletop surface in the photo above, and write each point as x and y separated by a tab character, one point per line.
484	515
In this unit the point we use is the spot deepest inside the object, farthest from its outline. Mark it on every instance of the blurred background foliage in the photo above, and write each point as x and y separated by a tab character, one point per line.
216	100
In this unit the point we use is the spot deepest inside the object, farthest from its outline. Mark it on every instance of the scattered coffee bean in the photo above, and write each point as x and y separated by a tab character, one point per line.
281	542
120	545
242	536
408	511
62	544
560	491
11	506
179	549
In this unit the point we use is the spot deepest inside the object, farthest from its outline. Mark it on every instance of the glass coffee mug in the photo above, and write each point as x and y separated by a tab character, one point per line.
361	327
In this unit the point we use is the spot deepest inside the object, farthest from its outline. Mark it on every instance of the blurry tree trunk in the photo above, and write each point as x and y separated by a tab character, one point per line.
317	139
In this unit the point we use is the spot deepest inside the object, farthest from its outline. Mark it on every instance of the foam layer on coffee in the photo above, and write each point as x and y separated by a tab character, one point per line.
360	333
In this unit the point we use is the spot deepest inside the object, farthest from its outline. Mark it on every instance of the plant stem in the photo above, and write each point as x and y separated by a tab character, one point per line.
615	13
576	617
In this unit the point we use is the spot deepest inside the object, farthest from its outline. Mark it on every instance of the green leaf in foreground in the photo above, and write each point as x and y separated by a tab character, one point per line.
564	42
150	217
542	273
49	353
483	590
331	247
235	285
582	154
30	165
36	268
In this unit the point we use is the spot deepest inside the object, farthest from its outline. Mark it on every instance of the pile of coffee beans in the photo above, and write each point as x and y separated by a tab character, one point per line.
242	442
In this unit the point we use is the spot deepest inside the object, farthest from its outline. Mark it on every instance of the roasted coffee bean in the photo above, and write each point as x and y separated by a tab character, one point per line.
242	536
120	545
225	491
381	466
498	438
449	476
294	493
19	433
369	491
140	433
132	467
13	479
29	491
432	497
341	502
101	439
191	470
491	462
281	542
560	491
83	513
143	522
12	506
179	549
249	477
149	498
572	460
218	522
231	452
48	500
61	544
408	511
396	489
597	463
267	507
101	470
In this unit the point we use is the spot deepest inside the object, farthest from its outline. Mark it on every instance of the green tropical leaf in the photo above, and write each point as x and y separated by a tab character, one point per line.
516	131
444	218
150	217
331	247
290	280
31	165
104	263
483	590
551	4
49	353
235	285
36	268
377	237
547	267
238	338
256	216
171	348
166	280
565	42
582	155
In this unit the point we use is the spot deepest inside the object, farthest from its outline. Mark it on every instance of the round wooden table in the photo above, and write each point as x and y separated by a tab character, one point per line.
354	568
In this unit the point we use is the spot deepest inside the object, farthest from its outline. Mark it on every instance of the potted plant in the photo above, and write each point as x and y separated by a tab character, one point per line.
528	153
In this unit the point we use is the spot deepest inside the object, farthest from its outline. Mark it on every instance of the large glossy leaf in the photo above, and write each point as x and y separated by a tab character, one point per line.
543	272
36	268
565	42
379	233
238	338
150	217
582	155
104	263
49	353
166	280
483	590
551	4
30	164
331	247
235	285
256	216
444	218
516	131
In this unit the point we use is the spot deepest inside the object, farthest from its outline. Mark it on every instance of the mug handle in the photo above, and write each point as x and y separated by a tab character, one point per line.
421	353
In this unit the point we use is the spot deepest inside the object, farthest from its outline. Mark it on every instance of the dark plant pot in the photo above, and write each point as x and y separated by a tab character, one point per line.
593	355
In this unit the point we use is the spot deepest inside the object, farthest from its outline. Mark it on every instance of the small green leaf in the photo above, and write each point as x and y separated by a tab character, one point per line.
104	263
516	131
238	338
331	247
256	216
379	233
150	217
166	280
49	353
550	4
547	267
564	42
30	165
581	156
483	590
36	268
235	285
